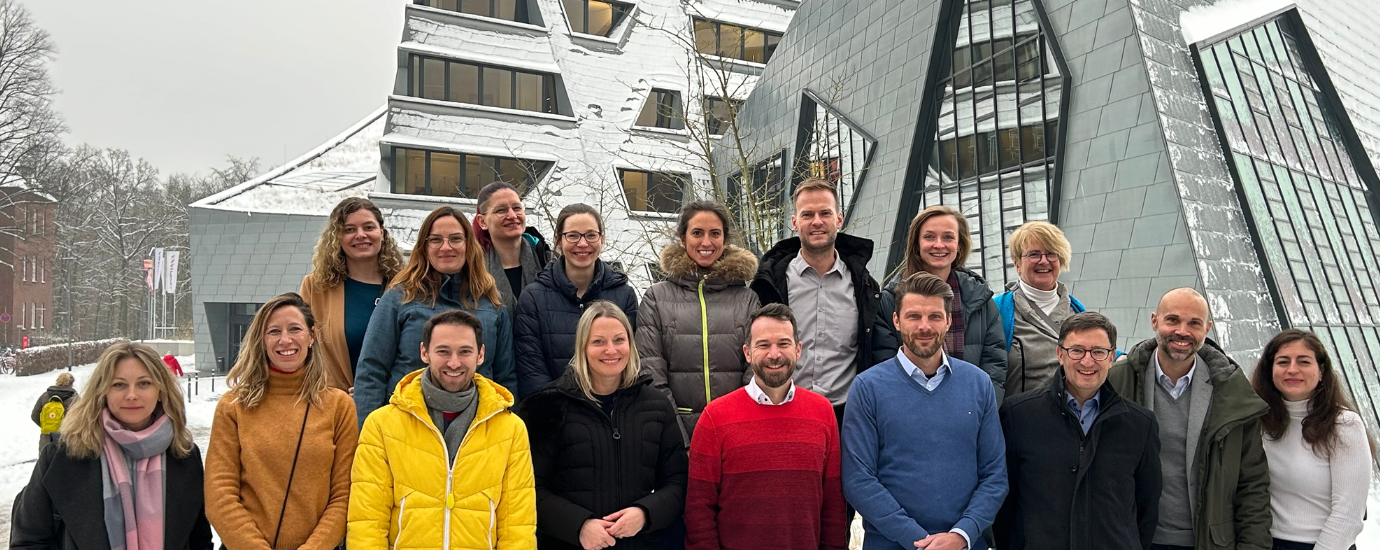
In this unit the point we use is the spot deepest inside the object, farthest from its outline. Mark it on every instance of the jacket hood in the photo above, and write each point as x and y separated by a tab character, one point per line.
735	266
1232	395
65	390
493	397
553	277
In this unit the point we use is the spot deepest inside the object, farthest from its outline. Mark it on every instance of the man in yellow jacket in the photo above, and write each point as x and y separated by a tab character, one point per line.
445	464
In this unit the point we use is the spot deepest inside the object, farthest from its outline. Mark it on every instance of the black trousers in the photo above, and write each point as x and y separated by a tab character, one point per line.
838	417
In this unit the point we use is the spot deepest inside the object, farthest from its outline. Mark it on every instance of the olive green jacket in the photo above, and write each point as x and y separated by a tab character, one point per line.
1233	480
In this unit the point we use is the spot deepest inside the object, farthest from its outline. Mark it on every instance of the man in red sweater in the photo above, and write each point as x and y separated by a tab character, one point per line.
764	460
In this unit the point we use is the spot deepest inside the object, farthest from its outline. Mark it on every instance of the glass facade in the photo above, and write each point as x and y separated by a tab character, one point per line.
1298	180
735	41
834	149
593	16
442	174
511	10
761	206
653	191
993	152
463	82
662	109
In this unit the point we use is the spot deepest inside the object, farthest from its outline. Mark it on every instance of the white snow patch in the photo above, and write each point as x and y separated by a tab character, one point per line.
1208	22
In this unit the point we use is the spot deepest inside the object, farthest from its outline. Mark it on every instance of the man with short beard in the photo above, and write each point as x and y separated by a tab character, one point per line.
924	462
1216	485
764	459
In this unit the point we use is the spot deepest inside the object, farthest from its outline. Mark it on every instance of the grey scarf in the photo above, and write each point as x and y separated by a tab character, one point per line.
439	401
530	269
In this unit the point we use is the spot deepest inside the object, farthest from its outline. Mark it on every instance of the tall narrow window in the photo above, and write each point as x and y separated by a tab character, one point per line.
595	16
992	156
442	174
509	10
735	41
465	82
653	191
835	149
24	269
1299	176
662	110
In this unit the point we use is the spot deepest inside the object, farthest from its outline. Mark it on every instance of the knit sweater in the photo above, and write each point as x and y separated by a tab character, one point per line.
918	462
1314	499
765	477
250	458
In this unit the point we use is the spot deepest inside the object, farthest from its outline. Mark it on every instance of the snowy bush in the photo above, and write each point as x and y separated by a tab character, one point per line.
41	359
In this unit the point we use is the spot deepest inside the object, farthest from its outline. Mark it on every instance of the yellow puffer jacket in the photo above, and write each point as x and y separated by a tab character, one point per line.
404	493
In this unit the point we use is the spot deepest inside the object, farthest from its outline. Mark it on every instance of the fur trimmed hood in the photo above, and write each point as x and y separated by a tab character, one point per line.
736	265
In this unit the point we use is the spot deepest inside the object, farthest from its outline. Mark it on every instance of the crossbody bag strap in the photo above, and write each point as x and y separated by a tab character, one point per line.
291	473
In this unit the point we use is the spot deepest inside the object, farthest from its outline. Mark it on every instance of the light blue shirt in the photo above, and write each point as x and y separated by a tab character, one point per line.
930	383
1088	412
1175	389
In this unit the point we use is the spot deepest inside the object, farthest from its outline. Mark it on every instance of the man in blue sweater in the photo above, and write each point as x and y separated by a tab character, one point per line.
924	462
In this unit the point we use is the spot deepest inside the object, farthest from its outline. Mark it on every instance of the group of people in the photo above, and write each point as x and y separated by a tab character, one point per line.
494	391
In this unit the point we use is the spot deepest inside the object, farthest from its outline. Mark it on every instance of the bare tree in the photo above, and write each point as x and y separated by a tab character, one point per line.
29	129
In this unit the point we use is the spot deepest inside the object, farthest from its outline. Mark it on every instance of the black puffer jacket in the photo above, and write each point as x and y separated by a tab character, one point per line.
984	341
547	314
589	465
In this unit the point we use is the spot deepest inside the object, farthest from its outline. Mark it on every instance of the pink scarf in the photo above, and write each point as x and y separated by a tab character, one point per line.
134	505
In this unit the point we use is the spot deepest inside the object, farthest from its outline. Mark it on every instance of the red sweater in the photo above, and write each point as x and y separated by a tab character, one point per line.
765	477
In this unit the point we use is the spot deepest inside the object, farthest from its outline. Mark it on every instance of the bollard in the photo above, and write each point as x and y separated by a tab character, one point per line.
189	390
213	384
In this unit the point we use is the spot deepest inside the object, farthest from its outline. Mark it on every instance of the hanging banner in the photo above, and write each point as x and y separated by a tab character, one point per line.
158	269
148	274
170	279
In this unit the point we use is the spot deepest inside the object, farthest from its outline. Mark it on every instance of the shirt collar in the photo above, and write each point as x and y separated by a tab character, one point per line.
1163	378
799	265
913	370
1093	403
755	392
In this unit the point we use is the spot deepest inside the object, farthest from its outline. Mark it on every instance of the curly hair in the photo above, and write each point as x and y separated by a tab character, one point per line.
328	261
82	432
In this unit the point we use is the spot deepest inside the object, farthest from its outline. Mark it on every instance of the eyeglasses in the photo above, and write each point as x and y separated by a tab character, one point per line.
1035	257
1098	354
573	237
435	241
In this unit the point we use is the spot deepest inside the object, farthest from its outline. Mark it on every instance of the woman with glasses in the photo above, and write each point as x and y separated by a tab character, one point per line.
446	271
550	307
1033	310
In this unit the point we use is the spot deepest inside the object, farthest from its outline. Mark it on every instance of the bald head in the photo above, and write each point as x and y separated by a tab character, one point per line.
1181	323
1184	297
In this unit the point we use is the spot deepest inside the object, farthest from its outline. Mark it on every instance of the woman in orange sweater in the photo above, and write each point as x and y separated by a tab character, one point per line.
282	442
355	257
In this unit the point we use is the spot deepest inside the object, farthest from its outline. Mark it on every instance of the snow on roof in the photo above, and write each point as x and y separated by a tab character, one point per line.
345	166
15	184
1227	17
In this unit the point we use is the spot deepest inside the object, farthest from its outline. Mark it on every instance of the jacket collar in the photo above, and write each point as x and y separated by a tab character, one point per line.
554	277
567	385
75	487
493	398
734	268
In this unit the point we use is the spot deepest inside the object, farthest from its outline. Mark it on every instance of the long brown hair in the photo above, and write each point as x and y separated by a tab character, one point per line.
1328	401
82	432
913	263
248	379
421	283
328	260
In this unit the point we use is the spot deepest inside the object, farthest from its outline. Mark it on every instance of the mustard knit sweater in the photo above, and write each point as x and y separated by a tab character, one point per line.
250	457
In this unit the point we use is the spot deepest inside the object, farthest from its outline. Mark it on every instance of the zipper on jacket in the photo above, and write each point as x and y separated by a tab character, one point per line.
450	468
402	507
704	340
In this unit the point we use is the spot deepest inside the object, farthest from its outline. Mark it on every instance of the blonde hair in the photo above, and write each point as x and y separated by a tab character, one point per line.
579	363
83	434
328	261
420	282
1047	235
913	263
248	379
65	380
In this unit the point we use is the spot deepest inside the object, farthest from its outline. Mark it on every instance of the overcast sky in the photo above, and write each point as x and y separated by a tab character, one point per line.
183	83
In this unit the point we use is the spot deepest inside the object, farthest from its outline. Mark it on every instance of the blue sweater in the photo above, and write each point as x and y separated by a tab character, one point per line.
917	462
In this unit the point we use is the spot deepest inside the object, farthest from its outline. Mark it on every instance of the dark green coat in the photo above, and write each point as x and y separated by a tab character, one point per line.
1233	492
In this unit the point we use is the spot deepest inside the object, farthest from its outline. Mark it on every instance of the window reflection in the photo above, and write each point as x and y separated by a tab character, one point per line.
442	174
653	191
734	41
463	82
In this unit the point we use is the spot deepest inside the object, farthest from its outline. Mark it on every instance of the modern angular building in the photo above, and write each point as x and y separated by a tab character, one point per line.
1228	146
613	103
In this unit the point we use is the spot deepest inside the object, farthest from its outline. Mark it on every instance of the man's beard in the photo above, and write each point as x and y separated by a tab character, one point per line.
775	379
1163	343
924	352
805	243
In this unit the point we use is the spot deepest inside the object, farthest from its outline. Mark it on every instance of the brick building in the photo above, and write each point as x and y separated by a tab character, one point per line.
27	262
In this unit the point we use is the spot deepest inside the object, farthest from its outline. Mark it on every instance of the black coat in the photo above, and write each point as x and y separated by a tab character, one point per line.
589	465
62	506
1071	491
547	314
855	252
66	394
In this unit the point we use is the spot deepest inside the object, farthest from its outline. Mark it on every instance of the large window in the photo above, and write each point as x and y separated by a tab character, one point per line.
996	128
662	109
718	113
440	174
760	205
511	10
735	41
653	191
463	82
594	16
835	149
1298	175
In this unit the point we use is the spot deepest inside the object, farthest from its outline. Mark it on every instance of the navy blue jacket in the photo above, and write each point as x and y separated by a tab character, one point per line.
549	311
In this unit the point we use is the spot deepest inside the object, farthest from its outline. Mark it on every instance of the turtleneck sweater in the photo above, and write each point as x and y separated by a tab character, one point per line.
1043	299
250	458
1315	499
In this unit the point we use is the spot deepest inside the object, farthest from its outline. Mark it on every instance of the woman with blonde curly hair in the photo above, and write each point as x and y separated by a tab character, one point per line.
283	441
354	257
125	473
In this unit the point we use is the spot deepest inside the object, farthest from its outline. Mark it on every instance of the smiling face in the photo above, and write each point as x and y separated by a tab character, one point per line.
1084	376
938	243
607	349
922	322
704	238
505	219
1296	372
132	395
1039	266
1181	324
362	237
772	350
445	245
454	355
582	253
287	339
817	220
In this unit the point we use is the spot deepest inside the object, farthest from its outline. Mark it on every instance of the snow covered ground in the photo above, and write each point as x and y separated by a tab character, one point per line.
20	437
